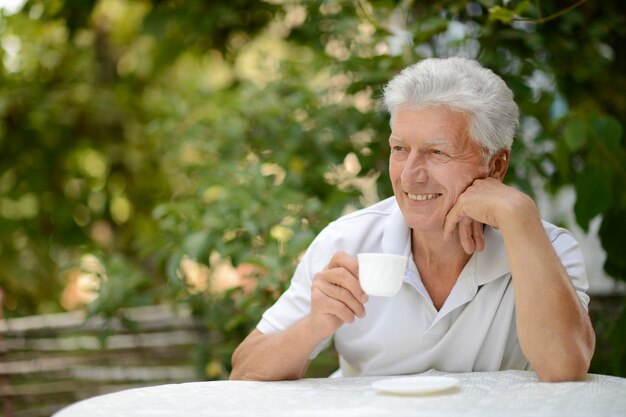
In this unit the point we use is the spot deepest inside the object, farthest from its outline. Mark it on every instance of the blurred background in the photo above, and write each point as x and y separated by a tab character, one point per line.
164	164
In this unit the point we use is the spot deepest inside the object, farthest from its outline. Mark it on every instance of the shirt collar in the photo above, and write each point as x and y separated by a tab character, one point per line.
482	268
396	237
492	262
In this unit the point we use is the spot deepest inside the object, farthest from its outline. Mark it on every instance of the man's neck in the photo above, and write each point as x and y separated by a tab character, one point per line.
432	251
439	263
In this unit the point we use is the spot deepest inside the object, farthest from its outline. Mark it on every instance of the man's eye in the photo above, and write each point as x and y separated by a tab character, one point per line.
438	152
397	148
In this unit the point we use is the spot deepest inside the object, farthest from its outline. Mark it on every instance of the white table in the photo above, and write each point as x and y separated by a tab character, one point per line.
483	394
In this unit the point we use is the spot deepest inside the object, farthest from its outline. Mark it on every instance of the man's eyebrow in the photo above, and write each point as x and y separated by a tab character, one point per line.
395	138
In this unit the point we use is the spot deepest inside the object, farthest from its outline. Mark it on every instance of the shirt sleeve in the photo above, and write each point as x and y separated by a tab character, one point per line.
570	253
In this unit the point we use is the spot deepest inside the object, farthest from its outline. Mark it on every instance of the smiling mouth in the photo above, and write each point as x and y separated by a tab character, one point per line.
422	197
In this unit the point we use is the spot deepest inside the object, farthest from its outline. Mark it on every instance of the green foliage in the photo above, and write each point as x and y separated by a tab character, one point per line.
183	141
119	285
501	14
610	355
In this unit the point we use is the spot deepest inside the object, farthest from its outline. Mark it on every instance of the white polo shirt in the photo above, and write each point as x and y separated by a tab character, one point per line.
475	329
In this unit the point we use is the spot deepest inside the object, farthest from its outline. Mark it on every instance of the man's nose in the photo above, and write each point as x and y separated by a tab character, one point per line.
415	170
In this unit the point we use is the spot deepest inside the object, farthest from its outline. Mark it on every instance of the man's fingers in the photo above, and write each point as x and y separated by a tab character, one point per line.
343	270
345	297
479	239
323	305
450	223
465	236
344	260
337	291
470	231
340	310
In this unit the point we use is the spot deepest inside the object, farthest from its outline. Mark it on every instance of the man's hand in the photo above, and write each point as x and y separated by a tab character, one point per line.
481	203
336	298
336	295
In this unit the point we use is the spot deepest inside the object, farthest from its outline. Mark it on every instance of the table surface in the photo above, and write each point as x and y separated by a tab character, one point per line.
503	393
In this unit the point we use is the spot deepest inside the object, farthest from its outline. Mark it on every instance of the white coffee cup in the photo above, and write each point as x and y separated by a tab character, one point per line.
381	274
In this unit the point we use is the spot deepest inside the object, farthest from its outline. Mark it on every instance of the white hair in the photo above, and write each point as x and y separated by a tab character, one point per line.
462	85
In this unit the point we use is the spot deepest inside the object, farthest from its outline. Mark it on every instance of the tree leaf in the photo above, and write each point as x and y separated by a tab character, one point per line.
612	232
593	196
501	14
609	130
196	244
575	134
522	7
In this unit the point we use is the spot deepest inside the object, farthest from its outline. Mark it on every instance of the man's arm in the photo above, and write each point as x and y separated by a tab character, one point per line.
275	356
336	298
553	327
554	330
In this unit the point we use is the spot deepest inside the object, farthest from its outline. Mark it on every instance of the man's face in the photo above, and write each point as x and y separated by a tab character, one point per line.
432	162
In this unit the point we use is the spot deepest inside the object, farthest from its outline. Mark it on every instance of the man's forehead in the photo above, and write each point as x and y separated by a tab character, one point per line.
437	142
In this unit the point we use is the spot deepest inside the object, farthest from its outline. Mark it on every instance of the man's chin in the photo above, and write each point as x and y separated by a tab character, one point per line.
425	226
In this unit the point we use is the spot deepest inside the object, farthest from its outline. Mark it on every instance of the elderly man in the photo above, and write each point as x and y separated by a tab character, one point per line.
488	286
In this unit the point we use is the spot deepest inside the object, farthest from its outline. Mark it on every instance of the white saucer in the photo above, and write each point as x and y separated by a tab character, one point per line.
415	384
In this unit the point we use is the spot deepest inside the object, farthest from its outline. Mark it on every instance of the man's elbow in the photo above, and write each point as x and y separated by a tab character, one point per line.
573	373
572	365
249	373
245	368
235	373
238	372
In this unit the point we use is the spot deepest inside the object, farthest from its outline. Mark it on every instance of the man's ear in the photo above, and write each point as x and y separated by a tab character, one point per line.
499	164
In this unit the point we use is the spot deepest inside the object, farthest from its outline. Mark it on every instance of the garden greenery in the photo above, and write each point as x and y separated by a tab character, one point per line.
189	151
